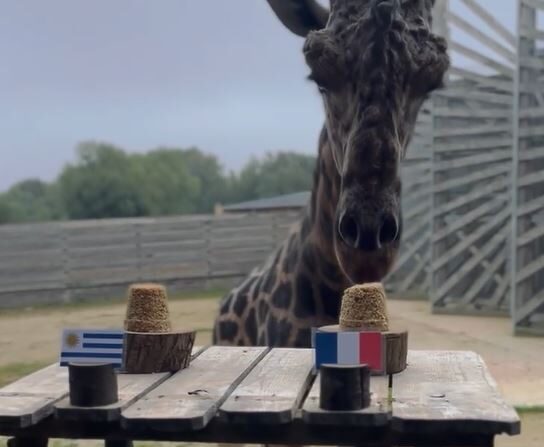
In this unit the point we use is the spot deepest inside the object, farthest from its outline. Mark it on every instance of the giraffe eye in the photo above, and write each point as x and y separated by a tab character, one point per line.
322	90
320	84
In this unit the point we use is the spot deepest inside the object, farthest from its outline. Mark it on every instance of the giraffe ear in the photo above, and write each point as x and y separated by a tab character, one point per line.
300	16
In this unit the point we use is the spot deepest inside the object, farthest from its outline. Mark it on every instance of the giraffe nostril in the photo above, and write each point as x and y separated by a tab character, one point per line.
389	229
348	229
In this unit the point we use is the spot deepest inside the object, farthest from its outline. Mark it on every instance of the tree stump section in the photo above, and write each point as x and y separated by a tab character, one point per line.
157	352
396	351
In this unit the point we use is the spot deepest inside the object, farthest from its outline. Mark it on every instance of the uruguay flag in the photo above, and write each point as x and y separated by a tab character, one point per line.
92	346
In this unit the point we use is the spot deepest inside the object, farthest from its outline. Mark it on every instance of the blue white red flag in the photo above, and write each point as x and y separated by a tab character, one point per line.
350	348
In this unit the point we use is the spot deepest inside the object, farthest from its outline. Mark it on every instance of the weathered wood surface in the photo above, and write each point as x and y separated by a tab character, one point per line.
273	390
450	391
445	398
131	387
30	399
191	397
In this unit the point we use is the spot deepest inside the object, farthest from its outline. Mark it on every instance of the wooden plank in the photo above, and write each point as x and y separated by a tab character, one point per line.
490	189
530	237
491	21
530	154
407	255
530	269
480	130
462	112
532	112
474	144
452	392
469	217
131	388
476	56
473	160
190	398
531	179
483	38
409	282
30	399
530	132
491	274
536	4
454	251
375	415
483	81
474	177
530	207
529	307
496	241
474	94
273	390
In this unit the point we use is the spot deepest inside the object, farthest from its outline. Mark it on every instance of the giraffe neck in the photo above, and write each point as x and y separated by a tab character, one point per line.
301	284
319	280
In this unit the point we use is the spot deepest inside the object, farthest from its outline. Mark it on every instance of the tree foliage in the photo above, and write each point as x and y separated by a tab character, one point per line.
105	181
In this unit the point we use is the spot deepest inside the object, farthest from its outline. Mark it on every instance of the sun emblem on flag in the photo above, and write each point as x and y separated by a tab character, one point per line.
72	340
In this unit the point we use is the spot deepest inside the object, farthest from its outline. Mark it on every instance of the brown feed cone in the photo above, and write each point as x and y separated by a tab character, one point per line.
147	309
363	307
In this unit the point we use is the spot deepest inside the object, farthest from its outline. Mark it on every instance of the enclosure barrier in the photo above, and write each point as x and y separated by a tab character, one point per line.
473	200
62	261
528	191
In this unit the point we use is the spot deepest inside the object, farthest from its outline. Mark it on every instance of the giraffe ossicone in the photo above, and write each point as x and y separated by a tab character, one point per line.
374	63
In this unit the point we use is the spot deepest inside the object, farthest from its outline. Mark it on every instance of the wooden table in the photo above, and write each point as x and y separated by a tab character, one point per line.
258	395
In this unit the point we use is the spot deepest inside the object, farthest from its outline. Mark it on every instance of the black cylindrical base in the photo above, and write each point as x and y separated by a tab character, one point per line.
344	388
92	385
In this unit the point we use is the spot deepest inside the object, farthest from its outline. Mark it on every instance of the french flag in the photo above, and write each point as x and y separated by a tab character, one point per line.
350	348
92	346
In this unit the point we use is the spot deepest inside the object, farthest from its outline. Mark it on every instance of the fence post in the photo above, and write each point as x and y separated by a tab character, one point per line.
66	264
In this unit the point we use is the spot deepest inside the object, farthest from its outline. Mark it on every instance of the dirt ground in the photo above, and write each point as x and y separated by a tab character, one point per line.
29	339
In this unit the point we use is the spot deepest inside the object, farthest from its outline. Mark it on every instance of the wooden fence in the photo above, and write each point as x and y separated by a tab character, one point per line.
472	164
411	278
65	260
473	199
528	192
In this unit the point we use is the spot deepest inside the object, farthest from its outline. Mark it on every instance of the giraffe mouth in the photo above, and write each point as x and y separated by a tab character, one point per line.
363	266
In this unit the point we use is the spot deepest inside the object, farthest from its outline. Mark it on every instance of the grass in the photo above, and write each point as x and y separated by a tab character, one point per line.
531	409
13	371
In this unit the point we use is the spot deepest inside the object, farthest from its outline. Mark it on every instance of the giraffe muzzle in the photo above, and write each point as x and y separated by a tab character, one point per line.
367	234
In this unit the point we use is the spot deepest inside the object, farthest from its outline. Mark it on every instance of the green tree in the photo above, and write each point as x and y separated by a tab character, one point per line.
31	200
209	172
104	182
276	174
6	215
166	185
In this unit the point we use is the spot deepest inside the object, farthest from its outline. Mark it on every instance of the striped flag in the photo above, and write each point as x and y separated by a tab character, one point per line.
92	346
350	348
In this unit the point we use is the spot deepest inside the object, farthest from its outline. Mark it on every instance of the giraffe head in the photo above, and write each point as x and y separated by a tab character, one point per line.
374	63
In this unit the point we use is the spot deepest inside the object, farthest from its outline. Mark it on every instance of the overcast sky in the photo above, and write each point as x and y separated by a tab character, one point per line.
222	75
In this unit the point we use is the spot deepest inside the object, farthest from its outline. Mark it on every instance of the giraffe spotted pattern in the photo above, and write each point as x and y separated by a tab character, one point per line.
374	63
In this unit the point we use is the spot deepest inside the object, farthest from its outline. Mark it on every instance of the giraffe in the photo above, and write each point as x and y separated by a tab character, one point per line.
374	63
